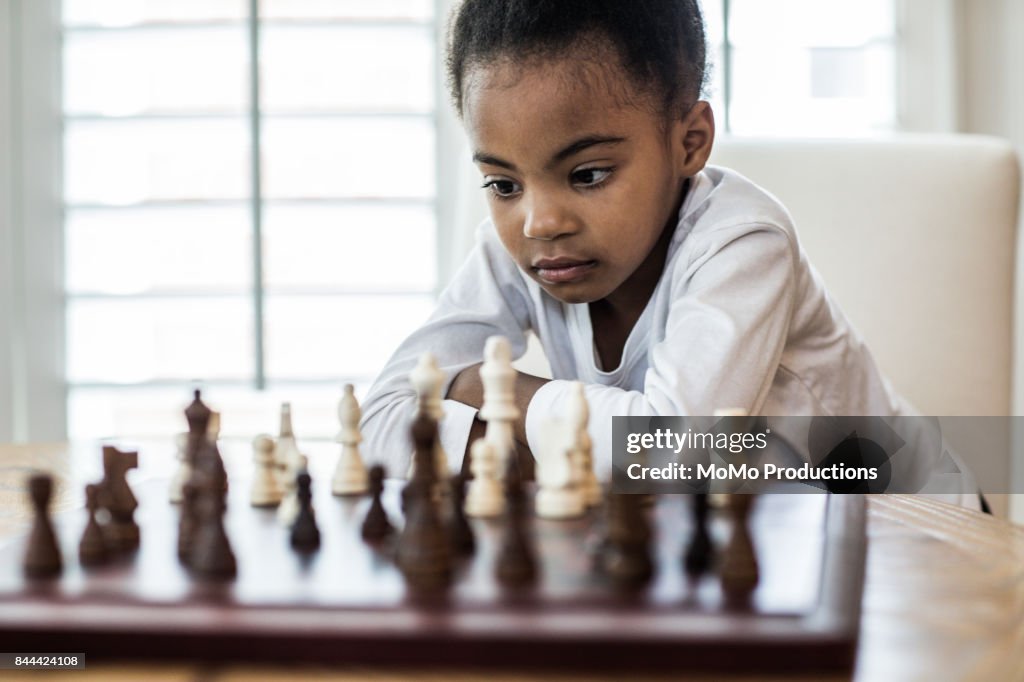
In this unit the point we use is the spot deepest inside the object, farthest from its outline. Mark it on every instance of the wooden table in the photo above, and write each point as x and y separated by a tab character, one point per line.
944	597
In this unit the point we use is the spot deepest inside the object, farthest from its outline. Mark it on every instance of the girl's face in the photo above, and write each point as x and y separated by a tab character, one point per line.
582	176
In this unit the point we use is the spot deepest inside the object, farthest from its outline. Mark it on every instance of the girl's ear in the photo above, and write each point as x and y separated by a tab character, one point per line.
693	136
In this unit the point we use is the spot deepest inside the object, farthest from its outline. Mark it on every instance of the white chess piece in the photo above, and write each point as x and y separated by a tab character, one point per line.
289	509
213	427
583	446
184	471
266	490
559	495
350	476
484	496
499	408
286	452
427	380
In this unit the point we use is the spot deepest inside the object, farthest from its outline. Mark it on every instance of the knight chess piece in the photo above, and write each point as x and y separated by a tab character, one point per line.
115	496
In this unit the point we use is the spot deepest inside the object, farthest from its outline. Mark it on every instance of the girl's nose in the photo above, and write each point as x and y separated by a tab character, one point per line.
547	220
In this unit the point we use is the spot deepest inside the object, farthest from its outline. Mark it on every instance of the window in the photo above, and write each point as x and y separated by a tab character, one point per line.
190	257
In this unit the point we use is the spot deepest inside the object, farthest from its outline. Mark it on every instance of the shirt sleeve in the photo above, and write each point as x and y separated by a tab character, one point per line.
726	327
486	297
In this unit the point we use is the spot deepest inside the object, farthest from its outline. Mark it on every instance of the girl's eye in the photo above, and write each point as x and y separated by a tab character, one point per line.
502	189
591	177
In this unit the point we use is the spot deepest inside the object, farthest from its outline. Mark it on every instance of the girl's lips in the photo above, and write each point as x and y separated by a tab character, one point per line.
559	272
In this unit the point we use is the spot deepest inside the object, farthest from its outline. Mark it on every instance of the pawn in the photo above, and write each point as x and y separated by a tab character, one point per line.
463	542
43	559
266	490
627	559
484	497
739	573
289	508
376	525
92	548
699	552
515	565
350	473
305	535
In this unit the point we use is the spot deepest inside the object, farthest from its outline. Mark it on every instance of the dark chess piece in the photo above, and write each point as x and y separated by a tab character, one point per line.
42	559
627	558
515	565
121	532
739	573
424	477
305	535
376	525
423	554
700	551
92	548
461	533
211	555
188	520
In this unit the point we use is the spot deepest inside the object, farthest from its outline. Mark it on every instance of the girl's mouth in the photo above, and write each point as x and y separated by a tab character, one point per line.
562	270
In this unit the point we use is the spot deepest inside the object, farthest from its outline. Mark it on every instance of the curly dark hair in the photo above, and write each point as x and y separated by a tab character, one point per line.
660	43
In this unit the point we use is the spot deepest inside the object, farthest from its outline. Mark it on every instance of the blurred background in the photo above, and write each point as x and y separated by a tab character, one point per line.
263	197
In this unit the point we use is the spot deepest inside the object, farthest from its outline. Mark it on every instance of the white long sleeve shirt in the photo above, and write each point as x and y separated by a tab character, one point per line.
739	319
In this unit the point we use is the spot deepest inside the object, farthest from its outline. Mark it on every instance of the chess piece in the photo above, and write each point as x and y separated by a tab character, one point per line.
188	520
43	559
559	495
211	555
184	470
499	408
515	565
461	533
286	451
739	573
423	554
485	497
114	495
627	558
582	448
289	507
427	380
350	473
266	491
699	551
92	548
305	536
376	525
213	426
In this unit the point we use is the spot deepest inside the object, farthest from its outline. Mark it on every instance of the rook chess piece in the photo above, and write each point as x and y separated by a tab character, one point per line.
305	535
463	543
43	559
266	491
376	525
92	548
485	497
739	573
700	551
350	473
515	565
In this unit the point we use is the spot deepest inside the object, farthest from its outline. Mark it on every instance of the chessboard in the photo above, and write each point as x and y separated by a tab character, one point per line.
347	602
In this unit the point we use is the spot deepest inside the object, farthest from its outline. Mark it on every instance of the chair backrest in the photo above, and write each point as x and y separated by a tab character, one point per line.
914	237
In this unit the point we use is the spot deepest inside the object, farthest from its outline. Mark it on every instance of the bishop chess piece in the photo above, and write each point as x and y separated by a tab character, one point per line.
423	554
739	572
485	497
266	490
699	551
42	559
288	510
515	565
463	542
582	446
350	473
627	558
305	536
376	525
428	380
286	451
92	548
122	533
211	555
499	408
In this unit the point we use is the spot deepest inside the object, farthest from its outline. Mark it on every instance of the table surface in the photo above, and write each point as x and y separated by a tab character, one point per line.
944	593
